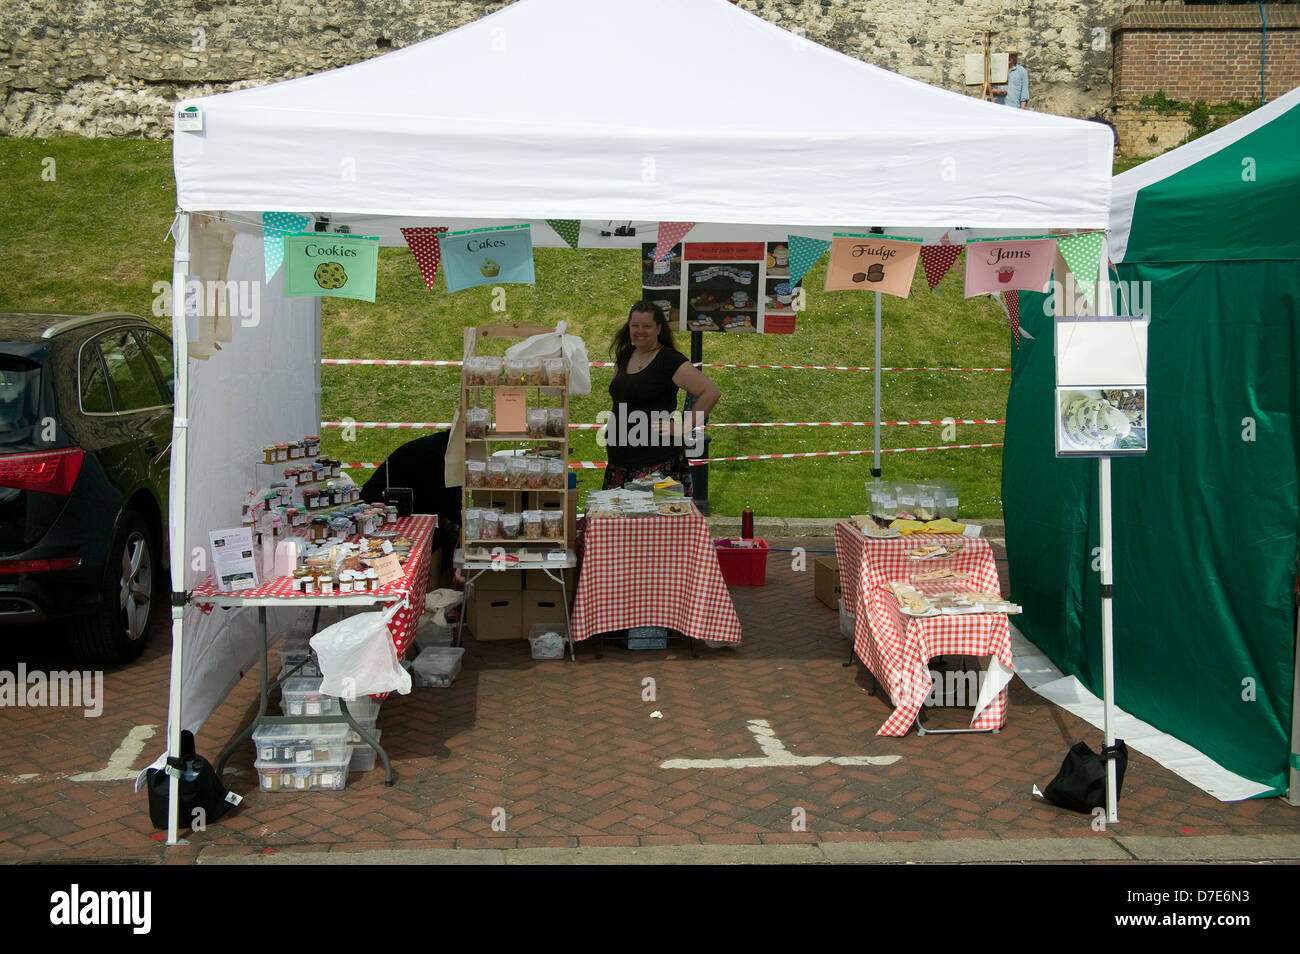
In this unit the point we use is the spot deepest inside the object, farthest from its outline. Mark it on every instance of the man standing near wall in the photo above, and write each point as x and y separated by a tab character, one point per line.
1017	82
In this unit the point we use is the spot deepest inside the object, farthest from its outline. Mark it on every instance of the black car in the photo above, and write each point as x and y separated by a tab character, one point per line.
85	450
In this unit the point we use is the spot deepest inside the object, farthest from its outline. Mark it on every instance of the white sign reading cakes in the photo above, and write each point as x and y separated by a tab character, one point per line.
1101	392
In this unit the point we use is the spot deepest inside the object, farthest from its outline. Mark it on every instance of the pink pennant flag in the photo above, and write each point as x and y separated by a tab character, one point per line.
670	233
937	259
424	246
1000	266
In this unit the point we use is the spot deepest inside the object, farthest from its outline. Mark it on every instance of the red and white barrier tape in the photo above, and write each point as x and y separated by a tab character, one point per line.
600	464
381	362
417	425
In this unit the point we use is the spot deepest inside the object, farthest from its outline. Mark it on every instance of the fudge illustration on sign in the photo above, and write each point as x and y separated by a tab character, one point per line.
490	268
331	275
876	273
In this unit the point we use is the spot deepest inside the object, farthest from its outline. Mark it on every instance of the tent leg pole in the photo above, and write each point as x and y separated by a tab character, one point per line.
1293	778
1107	638
875	459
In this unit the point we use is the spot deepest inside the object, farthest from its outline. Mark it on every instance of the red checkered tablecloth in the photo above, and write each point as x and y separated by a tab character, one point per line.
898	648
652	571
414	580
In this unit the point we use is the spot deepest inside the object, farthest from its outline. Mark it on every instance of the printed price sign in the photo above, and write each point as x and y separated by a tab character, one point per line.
389	569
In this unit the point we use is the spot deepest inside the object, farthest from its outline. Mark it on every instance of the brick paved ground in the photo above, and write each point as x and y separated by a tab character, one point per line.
570	754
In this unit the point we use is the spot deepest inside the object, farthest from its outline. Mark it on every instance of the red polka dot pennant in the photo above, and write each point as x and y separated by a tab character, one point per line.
670	233
937	259
423	243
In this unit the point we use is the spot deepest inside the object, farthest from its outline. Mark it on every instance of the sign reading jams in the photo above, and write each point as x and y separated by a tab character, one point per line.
330	266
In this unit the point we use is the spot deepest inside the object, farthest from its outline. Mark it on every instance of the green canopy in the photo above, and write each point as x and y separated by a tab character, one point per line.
1207	524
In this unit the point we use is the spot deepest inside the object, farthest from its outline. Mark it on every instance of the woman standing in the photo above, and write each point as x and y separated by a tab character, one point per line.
644	432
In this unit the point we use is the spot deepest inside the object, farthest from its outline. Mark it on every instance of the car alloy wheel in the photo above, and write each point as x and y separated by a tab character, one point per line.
135	591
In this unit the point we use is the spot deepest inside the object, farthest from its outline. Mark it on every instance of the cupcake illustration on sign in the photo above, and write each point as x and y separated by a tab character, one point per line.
331	275
490	268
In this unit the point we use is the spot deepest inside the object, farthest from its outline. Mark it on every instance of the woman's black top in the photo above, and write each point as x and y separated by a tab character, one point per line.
630	436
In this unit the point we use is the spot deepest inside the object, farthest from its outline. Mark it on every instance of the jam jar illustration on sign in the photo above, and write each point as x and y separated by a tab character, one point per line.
330	275
1005	273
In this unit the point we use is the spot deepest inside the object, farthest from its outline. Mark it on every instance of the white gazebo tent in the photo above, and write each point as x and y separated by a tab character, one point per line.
596	110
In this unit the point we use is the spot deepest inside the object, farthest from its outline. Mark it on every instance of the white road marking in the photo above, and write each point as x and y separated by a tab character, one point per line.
120	762
775	753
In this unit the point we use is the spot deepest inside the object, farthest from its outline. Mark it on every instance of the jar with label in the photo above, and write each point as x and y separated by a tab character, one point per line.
390	514
491	525
295	450
537	422
345	581
532	524
511	526
268	453
536	473
281	451
557	376
496	473
534	372
473	523
302	778
514	371
477	422
282	490
555	473
270	779
311	445
317	472
372	579
555	422
475	473
325	583
553	524
517	472
336	467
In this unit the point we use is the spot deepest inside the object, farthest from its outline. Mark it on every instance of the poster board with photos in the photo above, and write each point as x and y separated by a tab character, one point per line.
1101	386
731	287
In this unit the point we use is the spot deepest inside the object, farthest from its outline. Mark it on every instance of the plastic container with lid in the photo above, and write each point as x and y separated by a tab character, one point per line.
478	420
514	371
555	471
553	524
437	666
534	372
363	756
511	526
555	422
557	375
516	472
533	526
301	696
546	640
330	776
301	743
948	499
906	498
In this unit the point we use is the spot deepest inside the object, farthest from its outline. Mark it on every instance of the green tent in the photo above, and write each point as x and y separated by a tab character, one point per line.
1206	241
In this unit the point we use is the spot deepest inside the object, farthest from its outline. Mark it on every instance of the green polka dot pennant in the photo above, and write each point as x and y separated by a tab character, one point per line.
1082	253
567	230
804	253
275	226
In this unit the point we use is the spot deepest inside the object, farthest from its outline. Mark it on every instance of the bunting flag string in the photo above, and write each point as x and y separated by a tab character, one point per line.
804	254
423	243
275	226
566	229
670	233
1082	254
938	259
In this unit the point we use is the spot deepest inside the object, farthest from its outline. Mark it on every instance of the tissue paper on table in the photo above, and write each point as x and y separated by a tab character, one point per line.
286	557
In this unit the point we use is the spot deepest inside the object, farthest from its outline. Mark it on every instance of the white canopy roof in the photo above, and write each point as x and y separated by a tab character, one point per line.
654	110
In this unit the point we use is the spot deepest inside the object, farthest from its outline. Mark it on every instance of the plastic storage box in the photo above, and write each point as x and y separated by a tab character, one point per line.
273	777
364	709
430	633
437	666
743	566
647	637
847	622
289	658
363	756
300	697
291	744
547	640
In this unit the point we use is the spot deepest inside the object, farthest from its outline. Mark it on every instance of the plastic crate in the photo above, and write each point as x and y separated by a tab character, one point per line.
353	736
547	640
364	709
302	697
430	633
363	756
647	637
330	776
290	657
437	666
743	566
290	744
847	622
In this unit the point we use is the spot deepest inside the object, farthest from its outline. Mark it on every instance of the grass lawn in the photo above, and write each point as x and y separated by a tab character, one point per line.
94	238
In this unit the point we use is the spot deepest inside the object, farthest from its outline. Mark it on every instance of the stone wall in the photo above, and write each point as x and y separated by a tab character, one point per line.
114	67
1210	53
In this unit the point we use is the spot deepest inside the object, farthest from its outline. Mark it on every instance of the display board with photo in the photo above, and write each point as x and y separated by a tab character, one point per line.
733	287
1101	422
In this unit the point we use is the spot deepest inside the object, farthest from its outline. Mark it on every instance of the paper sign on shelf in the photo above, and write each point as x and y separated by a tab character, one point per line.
388	567
512	410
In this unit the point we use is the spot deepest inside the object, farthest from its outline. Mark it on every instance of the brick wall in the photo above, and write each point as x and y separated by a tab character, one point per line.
1210	53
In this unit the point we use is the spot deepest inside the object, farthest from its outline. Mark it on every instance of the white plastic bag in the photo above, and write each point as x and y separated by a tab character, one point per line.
553	345
357	656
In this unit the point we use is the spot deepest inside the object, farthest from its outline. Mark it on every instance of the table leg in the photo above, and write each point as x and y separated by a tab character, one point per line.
262	699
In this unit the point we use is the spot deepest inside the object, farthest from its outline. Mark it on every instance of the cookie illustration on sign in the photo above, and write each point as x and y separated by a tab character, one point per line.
331	275
489	268
876	273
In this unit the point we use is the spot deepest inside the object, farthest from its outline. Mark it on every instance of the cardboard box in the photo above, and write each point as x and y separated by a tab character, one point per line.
541	608
826	581
535	581
499	581
495	615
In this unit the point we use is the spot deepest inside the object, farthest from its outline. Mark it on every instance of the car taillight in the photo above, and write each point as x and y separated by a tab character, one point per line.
49	472
39	566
